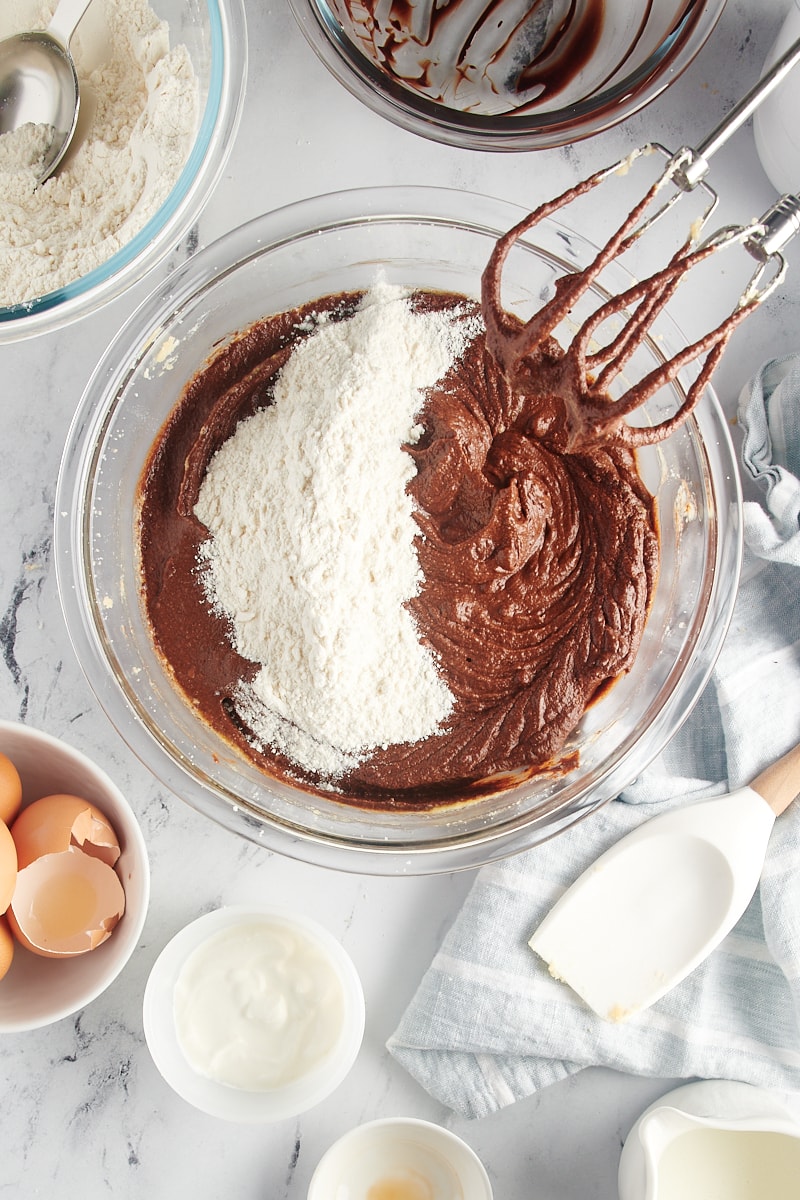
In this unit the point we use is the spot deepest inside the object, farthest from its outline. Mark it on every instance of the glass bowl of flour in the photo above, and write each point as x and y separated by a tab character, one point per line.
425	240
162	84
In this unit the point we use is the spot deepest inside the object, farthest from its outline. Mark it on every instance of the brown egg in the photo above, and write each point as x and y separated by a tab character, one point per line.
65	903
6	947
8	867
54	823
10	790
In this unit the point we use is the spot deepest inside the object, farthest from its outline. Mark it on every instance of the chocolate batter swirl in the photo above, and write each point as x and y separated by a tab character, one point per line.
538	567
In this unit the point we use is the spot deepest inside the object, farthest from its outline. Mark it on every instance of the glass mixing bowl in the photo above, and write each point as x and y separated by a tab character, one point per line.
215	35
462	74
425	238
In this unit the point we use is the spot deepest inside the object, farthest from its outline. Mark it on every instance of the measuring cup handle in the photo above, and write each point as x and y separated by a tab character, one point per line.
65	20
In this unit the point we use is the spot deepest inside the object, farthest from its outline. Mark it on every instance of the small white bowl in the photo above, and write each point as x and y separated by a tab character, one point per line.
220	1099
407	1156
38	991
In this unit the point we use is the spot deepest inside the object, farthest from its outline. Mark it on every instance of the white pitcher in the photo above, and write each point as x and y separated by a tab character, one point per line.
716	1140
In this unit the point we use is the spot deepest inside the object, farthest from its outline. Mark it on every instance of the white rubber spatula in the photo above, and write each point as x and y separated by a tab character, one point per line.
655	905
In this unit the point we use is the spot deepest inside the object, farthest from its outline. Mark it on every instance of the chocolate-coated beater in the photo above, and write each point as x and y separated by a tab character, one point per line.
579	378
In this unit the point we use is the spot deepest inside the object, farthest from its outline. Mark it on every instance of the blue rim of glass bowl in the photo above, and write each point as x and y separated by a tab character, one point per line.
182	189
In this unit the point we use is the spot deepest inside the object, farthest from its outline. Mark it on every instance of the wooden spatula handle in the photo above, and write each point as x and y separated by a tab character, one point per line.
780	783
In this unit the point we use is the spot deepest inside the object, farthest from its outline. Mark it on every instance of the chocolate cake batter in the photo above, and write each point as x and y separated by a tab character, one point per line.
538	563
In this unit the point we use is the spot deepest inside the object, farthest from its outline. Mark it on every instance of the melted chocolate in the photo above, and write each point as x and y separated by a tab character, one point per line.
495	58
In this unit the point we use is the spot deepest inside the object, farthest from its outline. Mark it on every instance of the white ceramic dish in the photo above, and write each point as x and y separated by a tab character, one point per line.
692	1126
233	1103
775	128
403	1158
38	991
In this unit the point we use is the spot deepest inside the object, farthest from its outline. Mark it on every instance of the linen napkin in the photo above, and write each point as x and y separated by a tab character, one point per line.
488	1025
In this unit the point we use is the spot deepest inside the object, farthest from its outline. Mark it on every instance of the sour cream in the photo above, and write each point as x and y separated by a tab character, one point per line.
258	1005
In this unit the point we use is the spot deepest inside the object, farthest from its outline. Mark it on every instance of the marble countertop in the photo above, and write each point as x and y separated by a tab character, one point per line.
85	1113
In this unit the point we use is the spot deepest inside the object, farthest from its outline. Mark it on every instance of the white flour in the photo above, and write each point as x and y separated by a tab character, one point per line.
24	147
139	114
312	552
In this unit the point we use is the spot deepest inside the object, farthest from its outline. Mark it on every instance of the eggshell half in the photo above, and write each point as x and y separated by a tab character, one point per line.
54	823
8	867
10	790
65	904
6	946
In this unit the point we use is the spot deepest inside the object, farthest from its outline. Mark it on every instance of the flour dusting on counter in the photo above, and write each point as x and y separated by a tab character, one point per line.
139	114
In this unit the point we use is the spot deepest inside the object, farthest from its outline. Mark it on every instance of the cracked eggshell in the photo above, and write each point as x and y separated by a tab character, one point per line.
54	823
65	903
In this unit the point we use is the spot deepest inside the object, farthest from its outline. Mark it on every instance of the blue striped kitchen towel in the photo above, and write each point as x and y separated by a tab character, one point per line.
488	1025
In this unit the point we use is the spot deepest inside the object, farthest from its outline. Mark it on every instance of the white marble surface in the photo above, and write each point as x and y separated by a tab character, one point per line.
85	1114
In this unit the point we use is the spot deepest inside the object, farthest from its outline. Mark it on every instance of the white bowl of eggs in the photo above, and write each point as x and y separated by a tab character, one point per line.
74	879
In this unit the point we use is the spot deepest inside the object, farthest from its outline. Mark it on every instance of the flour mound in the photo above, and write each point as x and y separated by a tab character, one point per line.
139	114
312	549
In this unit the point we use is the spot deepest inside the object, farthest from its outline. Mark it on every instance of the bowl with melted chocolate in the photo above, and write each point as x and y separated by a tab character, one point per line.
348	587
514	75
